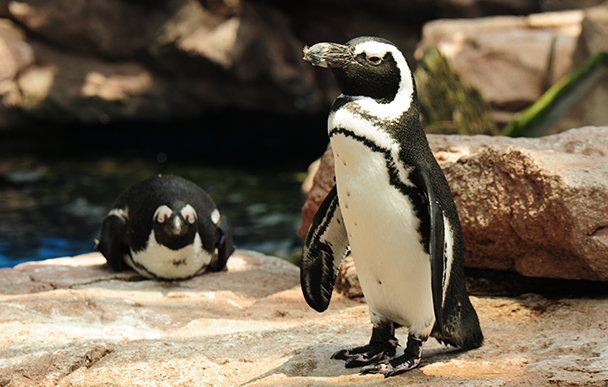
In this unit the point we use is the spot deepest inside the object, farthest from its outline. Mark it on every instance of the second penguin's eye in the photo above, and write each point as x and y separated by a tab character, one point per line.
189	218
162	214
374	59
189	214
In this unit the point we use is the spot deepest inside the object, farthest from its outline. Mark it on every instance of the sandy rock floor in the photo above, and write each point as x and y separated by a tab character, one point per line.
73	322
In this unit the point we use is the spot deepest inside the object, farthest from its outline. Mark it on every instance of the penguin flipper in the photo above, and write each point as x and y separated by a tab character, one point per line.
436	246
113	244
325	247
225	246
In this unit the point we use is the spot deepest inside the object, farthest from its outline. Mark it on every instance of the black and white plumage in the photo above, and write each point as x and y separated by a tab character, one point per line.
391	208
166	227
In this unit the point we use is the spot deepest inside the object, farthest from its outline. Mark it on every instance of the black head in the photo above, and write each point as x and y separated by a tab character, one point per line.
365	66
175	228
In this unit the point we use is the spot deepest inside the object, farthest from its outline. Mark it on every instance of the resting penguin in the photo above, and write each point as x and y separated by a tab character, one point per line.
391	208
166	227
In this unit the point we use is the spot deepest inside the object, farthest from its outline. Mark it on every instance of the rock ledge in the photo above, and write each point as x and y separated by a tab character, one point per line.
73	322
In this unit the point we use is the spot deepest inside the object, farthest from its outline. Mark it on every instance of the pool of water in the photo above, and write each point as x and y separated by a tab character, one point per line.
54	196
55	208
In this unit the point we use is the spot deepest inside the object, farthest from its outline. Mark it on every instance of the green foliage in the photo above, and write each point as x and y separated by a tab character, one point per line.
447	104
555	102
450	106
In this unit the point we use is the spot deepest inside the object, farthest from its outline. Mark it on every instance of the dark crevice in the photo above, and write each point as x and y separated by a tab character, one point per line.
599	231
487	282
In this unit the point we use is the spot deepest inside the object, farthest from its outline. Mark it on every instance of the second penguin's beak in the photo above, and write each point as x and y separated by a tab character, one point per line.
175	225
327	55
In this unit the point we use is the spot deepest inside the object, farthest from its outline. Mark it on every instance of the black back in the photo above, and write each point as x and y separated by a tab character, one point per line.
457	321
141	200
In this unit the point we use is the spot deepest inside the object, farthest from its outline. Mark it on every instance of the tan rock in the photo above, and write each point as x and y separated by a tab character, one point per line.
322	182
15	53
535	206
347	282
558	5
171	60
511	60
593	39
250	326
479	8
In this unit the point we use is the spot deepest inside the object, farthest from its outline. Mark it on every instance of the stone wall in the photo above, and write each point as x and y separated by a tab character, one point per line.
535	206
99	61
74	322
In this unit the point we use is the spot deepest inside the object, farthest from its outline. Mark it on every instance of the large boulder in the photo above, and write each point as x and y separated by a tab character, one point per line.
74	322
15	54
99	61
535	206
593	39
512	60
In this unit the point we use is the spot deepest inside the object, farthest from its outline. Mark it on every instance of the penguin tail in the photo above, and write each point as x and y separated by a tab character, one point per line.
461	328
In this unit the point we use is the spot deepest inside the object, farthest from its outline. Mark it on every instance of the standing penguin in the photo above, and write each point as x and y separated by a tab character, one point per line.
166	227
391	208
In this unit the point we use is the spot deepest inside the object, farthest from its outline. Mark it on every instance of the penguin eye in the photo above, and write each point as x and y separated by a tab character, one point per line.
189	214
374	59
189	218
162	214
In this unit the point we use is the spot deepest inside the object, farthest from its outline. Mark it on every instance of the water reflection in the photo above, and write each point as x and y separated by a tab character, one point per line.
53	207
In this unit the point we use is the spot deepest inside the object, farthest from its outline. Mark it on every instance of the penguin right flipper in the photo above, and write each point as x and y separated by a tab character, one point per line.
225	246
113	244
325	247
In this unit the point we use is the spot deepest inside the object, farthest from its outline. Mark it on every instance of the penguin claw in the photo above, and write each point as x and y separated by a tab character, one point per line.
392	367
377	368
361	356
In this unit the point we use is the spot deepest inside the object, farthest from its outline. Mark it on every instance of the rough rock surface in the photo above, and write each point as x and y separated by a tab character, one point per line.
73	322
100	61
535	206
512	60
322	182
593	39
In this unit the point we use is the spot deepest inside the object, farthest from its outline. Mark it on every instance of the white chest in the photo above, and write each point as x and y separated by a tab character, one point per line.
170	264
393	268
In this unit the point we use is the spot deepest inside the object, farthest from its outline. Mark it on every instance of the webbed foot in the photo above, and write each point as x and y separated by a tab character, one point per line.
408	361
381	347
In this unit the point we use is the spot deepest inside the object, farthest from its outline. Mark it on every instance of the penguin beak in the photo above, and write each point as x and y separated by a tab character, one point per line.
175	226
328	55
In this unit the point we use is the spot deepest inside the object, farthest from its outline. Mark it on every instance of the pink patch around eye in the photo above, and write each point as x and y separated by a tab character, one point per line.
374	59
189	214
163	214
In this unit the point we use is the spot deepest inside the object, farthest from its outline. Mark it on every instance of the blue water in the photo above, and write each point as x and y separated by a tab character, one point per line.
57	185
12	254
59	213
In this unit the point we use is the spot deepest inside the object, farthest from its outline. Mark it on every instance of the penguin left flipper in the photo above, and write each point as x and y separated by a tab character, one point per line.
112	241
225	246
436	242
325	247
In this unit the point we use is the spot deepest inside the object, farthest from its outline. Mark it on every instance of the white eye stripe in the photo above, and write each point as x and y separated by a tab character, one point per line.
374	49
189	214
162	213
403	99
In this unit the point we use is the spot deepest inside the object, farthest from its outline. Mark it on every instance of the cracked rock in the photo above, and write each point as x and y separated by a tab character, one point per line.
535	206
